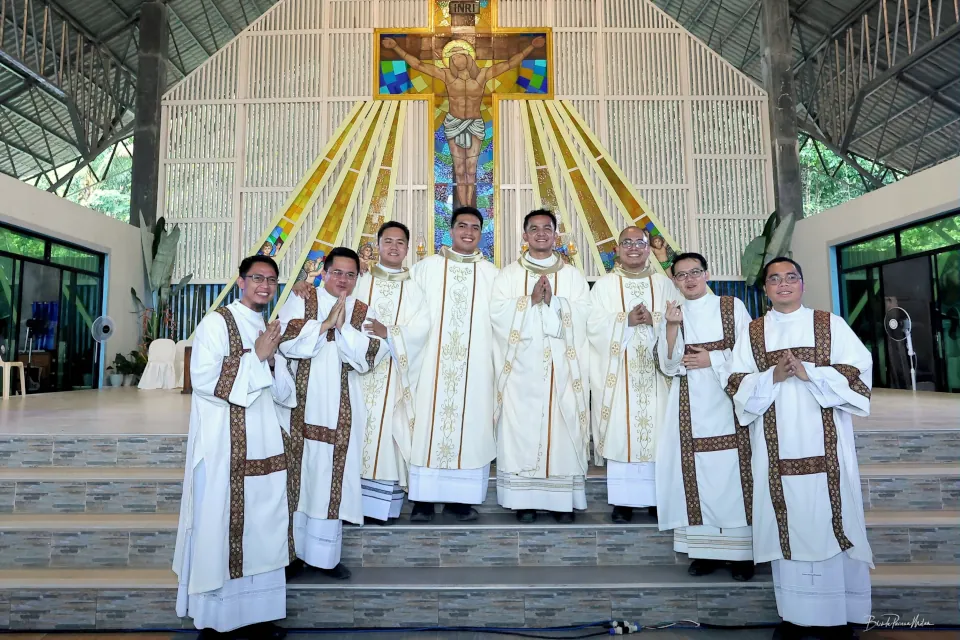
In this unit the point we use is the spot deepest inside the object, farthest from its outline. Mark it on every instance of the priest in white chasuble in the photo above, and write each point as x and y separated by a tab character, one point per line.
397	303
704	483
797	377
232	538
629	391
539	312
326	428
453	438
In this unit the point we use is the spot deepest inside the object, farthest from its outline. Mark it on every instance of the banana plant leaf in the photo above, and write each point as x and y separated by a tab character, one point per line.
163	261
159	230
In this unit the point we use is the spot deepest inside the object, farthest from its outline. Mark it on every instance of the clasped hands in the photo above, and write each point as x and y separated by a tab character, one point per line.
267	342
789	366
542	291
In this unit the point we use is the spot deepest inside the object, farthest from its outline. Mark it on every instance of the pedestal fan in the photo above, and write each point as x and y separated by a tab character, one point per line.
898	325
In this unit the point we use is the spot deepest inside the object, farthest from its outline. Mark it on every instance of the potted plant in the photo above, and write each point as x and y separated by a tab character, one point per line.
159	255
115	378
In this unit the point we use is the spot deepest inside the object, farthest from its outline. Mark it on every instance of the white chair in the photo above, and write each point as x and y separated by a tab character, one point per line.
159	372
7	368
178	361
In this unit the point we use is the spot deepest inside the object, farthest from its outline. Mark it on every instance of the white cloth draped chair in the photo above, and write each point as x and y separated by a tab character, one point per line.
178	361
160	372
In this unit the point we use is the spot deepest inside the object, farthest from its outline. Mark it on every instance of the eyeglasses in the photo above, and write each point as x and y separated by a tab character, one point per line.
693	273
336	273
630	244
259	279
790	278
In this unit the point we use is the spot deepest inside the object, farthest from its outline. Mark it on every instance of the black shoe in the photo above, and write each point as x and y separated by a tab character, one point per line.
463	512
526	516
375	522
565	518
701	567
339	572
260	631
652	512
422	512
210	634
294	569
622	515
742	571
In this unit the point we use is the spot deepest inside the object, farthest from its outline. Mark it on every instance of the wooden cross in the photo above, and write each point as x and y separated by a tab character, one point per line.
463	64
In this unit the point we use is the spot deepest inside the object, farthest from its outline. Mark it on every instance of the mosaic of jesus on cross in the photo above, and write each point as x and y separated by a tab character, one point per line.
464	64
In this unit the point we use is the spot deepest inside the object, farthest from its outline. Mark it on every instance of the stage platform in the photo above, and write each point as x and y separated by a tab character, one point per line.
90	486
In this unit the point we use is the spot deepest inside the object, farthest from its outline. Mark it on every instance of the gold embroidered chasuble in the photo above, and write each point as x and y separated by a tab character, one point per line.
454	408
241	527
389	390
541	357
327	426
807	503
629	391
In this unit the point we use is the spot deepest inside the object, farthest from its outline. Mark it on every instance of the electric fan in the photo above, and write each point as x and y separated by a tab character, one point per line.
898	325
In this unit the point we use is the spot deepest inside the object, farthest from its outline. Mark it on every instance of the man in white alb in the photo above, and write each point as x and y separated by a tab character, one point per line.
453	440
327	426
629	391
797	376
388	390
704	483
232	539
539	311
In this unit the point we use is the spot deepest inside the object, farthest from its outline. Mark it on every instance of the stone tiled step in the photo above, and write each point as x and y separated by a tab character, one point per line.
910	486
538	597
169	451
147	541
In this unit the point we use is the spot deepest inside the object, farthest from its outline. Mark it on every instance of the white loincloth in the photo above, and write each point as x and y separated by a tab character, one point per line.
562	494
631	484
710	543
318	542
382	499
239	602
829	593
462	132
460	486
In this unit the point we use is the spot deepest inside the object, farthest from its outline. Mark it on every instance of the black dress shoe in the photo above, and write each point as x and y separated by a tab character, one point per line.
462	512
210	634
701	567
566	517
294	569
339	572
742	571
622	515
422	512
260	631
652	512
375	522
526	516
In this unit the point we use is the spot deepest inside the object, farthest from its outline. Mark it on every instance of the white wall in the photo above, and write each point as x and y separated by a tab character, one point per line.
925	194
30	208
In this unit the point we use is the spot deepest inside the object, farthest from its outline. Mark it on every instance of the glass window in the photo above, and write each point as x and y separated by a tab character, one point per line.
13	242
868	252
70	257
936	234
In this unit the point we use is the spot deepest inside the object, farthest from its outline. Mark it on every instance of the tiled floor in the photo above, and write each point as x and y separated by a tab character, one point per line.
762	634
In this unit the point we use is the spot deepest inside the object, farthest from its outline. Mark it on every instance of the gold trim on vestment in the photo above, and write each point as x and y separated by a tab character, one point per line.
646	272
536	269
377	271
453	256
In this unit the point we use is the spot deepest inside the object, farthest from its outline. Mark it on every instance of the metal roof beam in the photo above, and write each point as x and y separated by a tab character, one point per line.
189	30
815	133
40	125
841	26
73	22
124	133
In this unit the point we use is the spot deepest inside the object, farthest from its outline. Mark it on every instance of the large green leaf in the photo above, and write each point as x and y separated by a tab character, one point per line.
146	244
165	258
158	232
138	305
752	260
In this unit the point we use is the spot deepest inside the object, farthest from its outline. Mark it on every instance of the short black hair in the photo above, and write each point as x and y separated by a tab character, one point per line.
766	267
341	252
540	212
690	256
644	230
393	224
466	211
252	260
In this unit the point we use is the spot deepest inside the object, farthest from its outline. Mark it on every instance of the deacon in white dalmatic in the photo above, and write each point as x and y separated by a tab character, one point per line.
629	390
539	311
704	482
327	426
797	377
232	539
388	390
453	440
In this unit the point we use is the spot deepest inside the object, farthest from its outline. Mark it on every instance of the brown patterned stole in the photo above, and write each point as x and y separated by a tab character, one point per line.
300	431
240	467
829	463
690	446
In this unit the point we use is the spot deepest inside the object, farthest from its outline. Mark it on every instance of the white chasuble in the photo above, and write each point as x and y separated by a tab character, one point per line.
703	460
629	392
541	404
327	426
388	391
232	539
455	391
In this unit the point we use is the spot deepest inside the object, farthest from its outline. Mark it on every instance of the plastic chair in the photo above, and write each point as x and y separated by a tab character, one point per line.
7	368
159	372
178	361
